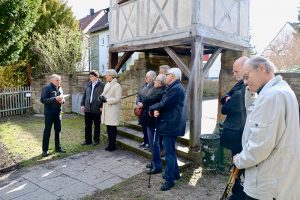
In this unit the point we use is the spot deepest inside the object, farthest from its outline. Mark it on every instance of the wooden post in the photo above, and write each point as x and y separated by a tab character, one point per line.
195	93
113	60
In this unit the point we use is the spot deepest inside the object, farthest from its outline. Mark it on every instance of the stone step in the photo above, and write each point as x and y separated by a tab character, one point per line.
132	145
136	135
134	125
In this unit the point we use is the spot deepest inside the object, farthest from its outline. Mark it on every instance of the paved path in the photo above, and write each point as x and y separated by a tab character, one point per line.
73	177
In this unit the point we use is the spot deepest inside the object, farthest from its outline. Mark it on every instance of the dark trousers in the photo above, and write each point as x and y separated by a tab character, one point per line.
112	136
237	189
145	133
171	169
89	119
49	120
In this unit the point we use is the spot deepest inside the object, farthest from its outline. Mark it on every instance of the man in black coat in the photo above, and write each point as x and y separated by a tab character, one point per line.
52	98
92	108
233	105
171	123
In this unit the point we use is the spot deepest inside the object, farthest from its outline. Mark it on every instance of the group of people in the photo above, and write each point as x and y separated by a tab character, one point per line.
163	119
100	103
262	131
261	127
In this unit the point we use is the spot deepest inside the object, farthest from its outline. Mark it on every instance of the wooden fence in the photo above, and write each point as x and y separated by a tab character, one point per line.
15	101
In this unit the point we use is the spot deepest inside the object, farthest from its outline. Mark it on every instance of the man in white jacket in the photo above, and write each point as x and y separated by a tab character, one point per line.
271	138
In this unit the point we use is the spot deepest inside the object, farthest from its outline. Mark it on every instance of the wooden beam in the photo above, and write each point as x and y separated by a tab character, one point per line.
160	44
211	60
178	61
123	60
113	60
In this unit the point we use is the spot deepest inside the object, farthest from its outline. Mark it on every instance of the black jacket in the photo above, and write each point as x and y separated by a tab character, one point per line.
153	98
235	110
51	106
93	107
172	119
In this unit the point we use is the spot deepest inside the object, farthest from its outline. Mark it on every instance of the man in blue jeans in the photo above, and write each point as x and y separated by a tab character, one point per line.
171	118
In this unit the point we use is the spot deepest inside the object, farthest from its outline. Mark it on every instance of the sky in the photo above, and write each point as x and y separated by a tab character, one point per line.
267	17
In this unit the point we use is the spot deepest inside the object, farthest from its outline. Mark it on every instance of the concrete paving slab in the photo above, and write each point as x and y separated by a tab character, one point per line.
57	183
109	183
76	191
38	195
73	177
94	177
40	174
17	188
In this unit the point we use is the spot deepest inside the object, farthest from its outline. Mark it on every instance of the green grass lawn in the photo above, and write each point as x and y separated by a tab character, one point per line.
22	137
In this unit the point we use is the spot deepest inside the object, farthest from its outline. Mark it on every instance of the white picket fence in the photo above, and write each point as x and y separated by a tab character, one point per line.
15	101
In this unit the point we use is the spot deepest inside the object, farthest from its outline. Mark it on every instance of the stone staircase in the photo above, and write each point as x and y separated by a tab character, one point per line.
130	136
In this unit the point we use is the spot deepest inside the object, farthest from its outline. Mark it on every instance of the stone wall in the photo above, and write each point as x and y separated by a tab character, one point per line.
133	79
71	84
293	79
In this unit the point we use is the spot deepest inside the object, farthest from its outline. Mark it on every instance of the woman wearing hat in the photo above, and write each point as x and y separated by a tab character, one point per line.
111	98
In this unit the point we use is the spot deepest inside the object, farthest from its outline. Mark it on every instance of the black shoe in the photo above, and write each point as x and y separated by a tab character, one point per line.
175	177
60	151
166	186
149	165
85	143
107	148
96	143
142	145
45	154
112	149
155	171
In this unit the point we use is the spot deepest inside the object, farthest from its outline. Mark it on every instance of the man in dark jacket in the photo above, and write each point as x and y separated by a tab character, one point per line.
171	123
146	90
154	141
52	98
233	105
92	108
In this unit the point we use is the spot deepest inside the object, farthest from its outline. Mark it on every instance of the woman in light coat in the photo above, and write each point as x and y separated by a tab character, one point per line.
111	98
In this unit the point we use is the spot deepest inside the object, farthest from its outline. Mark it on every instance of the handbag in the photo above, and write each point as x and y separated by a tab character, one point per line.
138	111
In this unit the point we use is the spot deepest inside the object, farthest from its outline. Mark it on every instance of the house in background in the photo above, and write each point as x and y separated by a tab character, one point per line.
283	39
96	42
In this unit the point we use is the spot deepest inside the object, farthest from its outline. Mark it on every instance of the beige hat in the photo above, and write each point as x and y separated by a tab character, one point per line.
112	73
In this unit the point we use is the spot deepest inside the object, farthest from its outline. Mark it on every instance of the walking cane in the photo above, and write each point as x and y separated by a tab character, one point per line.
149	182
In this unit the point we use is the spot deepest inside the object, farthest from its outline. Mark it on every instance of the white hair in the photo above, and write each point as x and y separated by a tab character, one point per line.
255	61
152	74
55	76
176	72
112	73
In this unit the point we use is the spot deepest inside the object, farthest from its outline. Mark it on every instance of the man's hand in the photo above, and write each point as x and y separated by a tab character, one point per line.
156	113
59	98
82	108
227	98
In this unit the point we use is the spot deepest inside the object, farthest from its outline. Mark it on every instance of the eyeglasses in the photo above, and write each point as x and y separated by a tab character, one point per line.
246	76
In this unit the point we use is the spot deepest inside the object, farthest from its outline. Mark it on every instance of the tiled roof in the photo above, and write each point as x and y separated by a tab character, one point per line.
101	24
84	22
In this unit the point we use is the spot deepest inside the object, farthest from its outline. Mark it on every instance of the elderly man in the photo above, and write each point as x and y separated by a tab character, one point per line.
111	99
146	90
171	123
154	141
52	98
271	138
163	69
233	105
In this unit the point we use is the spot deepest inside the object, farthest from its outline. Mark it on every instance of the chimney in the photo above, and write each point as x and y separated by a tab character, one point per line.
92	12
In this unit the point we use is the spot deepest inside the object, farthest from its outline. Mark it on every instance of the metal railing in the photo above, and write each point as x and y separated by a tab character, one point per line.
15	101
